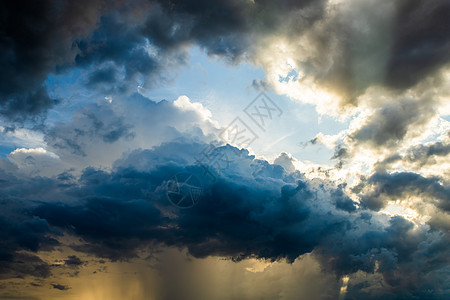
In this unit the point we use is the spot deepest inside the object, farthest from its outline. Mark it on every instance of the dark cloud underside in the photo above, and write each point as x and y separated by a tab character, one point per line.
43	37
270	215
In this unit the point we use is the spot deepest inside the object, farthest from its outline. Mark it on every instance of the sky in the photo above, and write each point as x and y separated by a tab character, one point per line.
228	149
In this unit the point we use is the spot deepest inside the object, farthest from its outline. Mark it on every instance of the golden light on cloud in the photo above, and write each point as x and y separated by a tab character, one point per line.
258	266
343	289
400	208
288	78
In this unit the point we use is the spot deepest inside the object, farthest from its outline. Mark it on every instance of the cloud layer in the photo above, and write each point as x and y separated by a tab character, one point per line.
340	47
250	209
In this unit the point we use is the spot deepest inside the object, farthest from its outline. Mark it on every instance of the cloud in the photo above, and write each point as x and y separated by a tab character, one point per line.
36	38
286	161
60	287
355	45
389	124
340	48
384	187
253	210
36	161
418	50
419	156
20	235
73	261
249	209
100	133
388	127
100	180
91	122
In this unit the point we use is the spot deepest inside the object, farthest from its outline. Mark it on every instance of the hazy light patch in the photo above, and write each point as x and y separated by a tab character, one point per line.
277	59
444	94
258	266
344	286
168	273
400	208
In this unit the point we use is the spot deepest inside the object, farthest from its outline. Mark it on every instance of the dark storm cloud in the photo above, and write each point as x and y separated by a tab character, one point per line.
35	37
60	287
342	201
254	209
238	221
393	251
21	231
110	40
221	27
421	41
73	261
43	37
389	125
385	187
104	75
234	220
118	49
396	45
24	234
21	265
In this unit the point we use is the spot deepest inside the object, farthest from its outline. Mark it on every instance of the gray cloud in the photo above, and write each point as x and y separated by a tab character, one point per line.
418	50
23	234
60	287
92	122
384	187
388	125
100	133
418	156
73	261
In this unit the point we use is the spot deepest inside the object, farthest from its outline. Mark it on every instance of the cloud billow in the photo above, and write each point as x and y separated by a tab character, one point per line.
121	44
248	214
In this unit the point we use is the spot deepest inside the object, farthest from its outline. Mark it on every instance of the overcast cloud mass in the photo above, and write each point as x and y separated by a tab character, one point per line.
313	138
